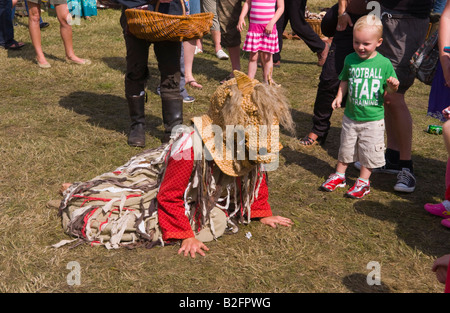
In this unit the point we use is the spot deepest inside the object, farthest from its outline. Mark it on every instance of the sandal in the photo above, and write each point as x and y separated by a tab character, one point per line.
438	209
446	222
308	141
194	84
15	45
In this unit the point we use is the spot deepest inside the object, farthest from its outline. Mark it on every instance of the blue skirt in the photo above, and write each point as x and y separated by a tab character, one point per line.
439	95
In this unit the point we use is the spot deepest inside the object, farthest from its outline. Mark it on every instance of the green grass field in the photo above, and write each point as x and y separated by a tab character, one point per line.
69	123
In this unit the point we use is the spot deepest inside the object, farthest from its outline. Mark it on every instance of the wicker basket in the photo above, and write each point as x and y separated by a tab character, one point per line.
155	26
315	25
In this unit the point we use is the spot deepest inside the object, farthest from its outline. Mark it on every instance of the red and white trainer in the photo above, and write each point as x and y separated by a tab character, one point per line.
334	181
359	190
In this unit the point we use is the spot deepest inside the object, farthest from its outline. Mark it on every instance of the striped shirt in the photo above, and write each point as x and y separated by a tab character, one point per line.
262	11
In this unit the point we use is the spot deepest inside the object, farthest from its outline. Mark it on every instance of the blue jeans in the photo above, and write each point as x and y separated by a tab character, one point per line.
439	6
194	6
6	25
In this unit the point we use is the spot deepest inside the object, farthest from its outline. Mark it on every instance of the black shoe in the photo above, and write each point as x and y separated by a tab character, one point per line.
44	25
14	45
136	138
406	182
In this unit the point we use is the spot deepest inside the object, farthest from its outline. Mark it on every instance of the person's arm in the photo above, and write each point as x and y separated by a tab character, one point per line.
261	208
276	17
444	41
344	19
446	113
342	91
392	85
440	267
171	211
172	219
244	12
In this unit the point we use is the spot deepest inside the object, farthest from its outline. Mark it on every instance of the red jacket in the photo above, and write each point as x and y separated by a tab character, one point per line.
173	221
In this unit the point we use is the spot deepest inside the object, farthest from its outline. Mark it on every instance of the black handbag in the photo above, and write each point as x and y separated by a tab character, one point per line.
424	60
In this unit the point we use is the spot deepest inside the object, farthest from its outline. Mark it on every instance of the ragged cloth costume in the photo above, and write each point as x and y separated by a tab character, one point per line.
184	188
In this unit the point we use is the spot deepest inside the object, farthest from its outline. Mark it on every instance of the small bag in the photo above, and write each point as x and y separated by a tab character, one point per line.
424	60
155	26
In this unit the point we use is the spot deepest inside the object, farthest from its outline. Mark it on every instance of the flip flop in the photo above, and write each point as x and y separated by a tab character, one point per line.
194	84
15	45
82	62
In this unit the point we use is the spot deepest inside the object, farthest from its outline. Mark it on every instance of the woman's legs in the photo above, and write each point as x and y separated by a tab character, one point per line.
34	14
189	51
267	66
62	13
252	64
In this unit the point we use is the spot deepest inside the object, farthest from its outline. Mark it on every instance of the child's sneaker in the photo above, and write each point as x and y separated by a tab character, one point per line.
439	209
359	190
334	181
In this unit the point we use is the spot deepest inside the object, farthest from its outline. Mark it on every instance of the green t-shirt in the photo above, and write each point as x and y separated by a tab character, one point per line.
366	85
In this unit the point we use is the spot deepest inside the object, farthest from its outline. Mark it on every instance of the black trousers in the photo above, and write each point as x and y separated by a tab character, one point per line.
168	57
294	12
341	46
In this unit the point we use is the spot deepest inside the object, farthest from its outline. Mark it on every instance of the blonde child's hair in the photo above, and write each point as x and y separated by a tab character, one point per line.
370	21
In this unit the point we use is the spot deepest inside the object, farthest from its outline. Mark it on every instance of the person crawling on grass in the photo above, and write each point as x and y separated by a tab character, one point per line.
192	190
366	76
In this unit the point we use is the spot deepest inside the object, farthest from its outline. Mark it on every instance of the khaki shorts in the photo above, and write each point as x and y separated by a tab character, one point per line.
402	36
363	142
228	12
214	228
211	6
52	2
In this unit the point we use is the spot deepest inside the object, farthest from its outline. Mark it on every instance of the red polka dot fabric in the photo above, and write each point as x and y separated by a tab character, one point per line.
173	221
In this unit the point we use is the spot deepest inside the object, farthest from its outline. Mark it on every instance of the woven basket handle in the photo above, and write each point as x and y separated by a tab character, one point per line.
182	5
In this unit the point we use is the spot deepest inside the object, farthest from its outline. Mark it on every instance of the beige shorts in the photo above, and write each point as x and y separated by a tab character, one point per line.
52	2
363	142
211	6
214	228
228	12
